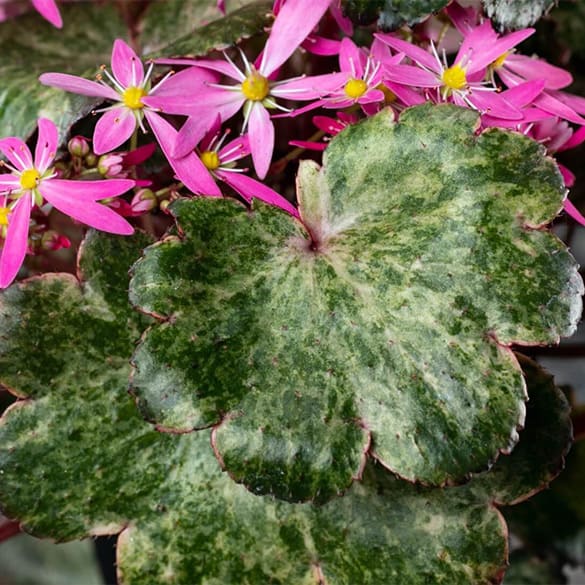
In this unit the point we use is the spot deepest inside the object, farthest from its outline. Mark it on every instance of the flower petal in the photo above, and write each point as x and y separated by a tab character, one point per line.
261	136
190	170
310	88
127	67
79	85
189	81
48	9
417	54
78	199
16	241
250	189
113	129
573	212
17	152
191	134
351	59
293	24
532	68
47	143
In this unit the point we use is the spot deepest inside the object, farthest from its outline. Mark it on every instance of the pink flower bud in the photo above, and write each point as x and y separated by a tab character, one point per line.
111	166
144	201
78	146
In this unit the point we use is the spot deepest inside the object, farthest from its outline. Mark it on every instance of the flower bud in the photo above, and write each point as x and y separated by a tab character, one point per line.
144	201
110	166
78	146
91	160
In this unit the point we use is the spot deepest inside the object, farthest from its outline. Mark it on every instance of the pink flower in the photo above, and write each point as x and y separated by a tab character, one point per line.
199	170
33	181
254	91
131	93
463	81
328	126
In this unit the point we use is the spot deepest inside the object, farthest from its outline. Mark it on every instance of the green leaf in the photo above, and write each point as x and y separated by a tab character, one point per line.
79	460
387	316
218	34
29	46
516	14
392	14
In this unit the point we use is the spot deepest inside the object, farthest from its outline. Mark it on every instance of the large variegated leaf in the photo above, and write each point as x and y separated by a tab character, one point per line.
380	322
78	459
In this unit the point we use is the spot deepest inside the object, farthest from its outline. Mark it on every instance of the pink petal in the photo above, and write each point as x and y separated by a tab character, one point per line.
190	170
310	88
318	146
524	94
343	22
530	68
47	143
235	150
189	81
48	9
295	20
16	241
77	199
213	100
261	136
250	189
550	104
568	176
113	129
321	46
79	85
576	139
415	53
127	67
494	105
574	212
139	155
191	134
9	183
84	191
351	58
410	75
17	152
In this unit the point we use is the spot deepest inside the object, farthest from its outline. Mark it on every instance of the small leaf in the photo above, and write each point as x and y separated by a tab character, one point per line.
515	14
387	315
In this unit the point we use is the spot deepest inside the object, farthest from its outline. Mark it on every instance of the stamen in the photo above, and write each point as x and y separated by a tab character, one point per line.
113	79
240	75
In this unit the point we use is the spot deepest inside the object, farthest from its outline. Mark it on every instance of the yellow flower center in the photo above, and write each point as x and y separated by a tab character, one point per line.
210	159
454	77
4	211
255	87
30	179
132	97
355	88
500	60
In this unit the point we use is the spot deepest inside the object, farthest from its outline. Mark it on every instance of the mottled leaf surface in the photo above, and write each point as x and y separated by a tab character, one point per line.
79	459
392	14
385	315
516	14
29	46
